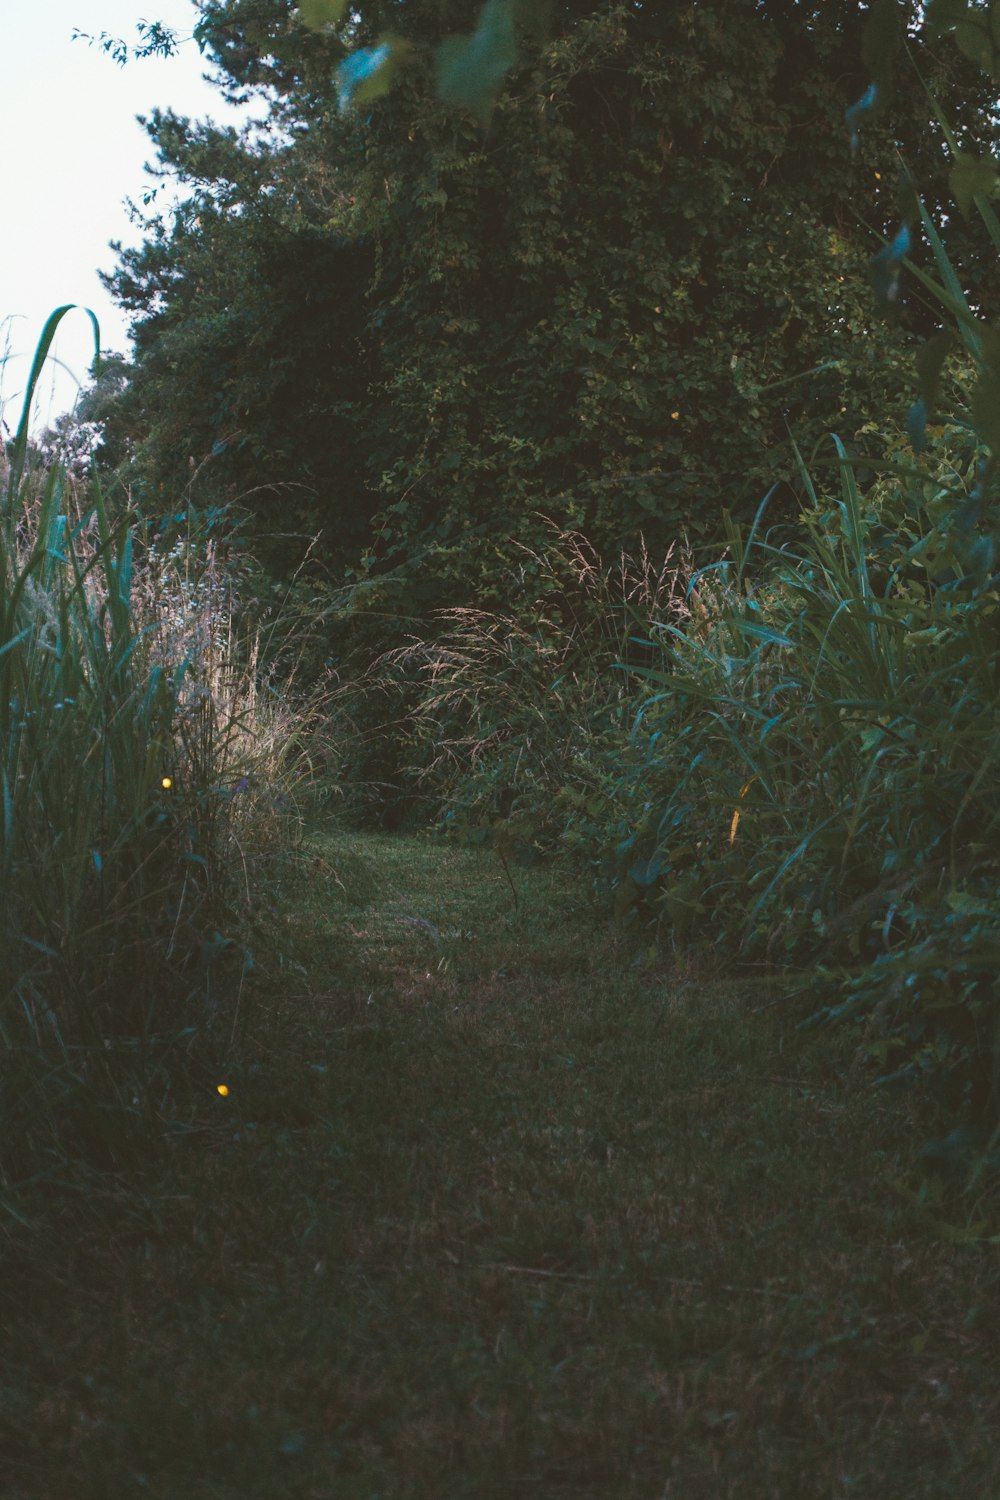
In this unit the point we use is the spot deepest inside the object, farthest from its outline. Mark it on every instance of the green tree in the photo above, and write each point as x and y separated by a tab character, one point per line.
612	302
246	317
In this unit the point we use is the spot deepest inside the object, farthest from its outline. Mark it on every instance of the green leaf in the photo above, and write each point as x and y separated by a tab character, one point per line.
972	177
368	73
316	14
973	40
471	69
645	871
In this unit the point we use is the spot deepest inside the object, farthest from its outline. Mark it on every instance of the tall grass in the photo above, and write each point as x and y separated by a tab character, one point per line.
518	716
794	760
830	797
789	757
143	765
839	727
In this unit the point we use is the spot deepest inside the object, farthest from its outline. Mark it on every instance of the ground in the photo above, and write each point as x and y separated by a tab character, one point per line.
491	1210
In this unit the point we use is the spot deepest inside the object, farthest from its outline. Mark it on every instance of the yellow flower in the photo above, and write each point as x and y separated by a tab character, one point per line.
167	783
223	1089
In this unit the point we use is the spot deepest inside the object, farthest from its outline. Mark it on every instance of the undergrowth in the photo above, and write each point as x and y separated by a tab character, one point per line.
147	771
787	757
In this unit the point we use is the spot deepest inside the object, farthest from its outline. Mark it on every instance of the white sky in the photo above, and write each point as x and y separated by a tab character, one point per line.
71	153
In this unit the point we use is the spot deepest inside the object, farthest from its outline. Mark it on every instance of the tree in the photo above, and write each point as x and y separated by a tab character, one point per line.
247	315
612	305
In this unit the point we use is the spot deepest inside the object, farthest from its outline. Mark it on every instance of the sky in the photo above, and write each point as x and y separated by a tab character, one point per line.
72	152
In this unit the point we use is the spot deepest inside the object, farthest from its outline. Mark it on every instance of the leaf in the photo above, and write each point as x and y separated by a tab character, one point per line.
646	871
765	633
880	41
942	15
864	106
973	40
972	177
316	14
471	69
369	72
885	266
916	425
930	361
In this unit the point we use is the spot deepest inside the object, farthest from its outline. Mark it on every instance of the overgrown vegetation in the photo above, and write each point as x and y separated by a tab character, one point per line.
806	774
145	768
788	757
530	1179
611	307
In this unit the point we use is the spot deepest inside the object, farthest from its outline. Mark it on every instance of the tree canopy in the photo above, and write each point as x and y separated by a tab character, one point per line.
604	267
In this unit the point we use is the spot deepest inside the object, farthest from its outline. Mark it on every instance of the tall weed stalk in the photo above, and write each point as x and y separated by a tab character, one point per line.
139	761
518	714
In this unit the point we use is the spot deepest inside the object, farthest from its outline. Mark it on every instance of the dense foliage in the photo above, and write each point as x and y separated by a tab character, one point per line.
807	778
407	332
627	290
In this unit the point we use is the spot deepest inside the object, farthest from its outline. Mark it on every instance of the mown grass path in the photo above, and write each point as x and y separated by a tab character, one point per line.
489	1213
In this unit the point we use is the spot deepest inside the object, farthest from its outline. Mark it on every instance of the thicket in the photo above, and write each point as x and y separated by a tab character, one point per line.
409	334
807	779
619	311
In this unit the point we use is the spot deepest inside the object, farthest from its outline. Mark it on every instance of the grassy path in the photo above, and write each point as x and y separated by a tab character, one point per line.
488	1214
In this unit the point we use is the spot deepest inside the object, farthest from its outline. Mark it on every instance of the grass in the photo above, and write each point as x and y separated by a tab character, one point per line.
148	769
784	757
489	1211
452	1197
